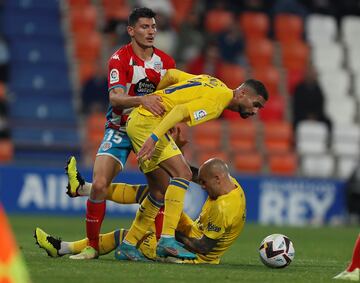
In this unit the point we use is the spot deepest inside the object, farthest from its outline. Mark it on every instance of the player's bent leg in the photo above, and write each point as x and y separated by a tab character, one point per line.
105	169
349	275
47	242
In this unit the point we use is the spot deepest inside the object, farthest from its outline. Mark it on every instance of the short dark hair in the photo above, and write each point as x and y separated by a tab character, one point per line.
258	86
140	13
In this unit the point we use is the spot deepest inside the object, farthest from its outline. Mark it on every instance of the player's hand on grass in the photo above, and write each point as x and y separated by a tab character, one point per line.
147	150
153	103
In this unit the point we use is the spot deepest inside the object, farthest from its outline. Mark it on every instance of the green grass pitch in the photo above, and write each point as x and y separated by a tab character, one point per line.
320	253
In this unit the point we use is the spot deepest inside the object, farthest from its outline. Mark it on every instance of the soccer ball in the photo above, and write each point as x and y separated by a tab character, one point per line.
276	251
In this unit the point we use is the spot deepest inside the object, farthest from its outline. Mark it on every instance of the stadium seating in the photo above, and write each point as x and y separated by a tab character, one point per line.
208	136
312	137
346	139
274	110
182	8
350	29
203	155
83	19
260	53
241	135
321	29
254	25
317	165
87	46
116	9
218	20
270	76
232	75
42	115
288	28
247	162
6	150
284	164
328	57
277	137
335	83
346	166
342	110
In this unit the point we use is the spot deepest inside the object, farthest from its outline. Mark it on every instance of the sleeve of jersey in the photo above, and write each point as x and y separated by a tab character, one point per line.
116	73
202	110
215	226
176	115
173	76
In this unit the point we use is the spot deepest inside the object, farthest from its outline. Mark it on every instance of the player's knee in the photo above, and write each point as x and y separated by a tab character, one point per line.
99	186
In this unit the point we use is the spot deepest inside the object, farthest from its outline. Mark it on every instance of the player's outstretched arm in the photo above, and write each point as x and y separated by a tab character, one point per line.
204	245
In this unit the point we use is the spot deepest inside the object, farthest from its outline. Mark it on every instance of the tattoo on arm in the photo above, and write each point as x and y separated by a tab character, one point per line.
203	245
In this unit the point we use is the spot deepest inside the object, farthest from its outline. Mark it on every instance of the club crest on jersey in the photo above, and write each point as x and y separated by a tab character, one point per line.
114	76
158	66
105	146
198	115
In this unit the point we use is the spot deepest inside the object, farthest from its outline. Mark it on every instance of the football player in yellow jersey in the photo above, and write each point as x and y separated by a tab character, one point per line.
220	222
194	100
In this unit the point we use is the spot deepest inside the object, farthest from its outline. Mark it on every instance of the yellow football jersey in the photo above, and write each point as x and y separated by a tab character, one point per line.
222	219
205	97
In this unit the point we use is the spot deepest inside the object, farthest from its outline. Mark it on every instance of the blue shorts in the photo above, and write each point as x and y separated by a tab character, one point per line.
115	144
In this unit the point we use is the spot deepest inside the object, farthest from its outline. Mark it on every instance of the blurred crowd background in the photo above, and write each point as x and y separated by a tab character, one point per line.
53	88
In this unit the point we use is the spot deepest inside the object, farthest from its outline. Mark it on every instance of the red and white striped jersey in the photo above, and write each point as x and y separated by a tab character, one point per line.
136	76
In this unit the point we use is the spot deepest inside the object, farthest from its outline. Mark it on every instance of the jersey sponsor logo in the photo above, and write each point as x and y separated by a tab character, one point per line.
158	66
213	227
144	86
116	57
198	115
106	145
114	76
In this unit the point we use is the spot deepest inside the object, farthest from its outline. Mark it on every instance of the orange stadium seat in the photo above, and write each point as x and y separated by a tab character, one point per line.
6	150
274	110
2	90
116	9
87	46
259	52
241	135
278	137
95	127
288	28
208	135
295	55
283	164
247	162
269	76
232	75
203	155
86	70
254	25
182	8
78	3
83	19
218	20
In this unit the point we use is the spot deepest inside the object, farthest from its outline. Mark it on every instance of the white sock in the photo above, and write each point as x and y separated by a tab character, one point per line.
64	248
85	189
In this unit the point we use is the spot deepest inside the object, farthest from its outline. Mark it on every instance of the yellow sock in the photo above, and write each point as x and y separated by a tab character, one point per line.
127	193
174	204
145	217
107	242
77	246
